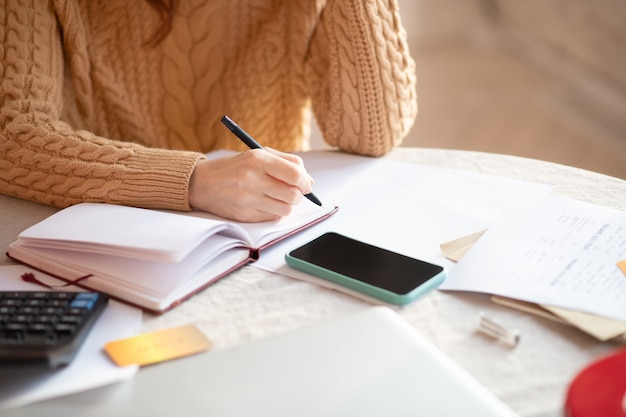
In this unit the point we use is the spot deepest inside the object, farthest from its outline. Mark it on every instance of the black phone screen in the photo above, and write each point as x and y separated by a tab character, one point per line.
367	263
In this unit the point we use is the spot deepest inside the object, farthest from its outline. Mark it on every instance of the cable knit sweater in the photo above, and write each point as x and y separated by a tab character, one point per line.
91	112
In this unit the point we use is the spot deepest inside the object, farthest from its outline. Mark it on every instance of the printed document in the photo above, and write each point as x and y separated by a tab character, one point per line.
552	251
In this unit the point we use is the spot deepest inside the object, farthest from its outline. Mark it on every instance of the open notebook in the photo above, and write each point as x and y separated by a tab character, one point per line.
369	363
152	259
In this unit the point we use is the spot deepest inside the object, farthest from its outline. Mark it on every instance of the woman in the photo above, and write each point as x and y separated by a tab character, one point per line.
116	101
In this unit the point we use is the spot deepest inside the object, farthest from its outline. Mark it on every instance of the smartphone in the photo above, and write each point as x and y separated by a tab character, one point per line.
371	270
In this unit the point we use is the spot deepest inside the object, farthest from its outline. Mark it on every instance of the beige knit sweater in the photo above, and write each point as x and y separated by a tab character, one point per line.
89	112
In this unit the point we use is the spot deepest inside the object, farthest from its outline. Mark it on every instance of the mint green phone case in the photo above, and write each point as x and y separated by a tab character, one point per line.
363	287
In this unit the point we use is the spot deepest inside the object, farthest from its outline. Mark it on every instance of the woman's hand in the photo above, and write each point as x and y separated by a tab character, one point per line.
255	185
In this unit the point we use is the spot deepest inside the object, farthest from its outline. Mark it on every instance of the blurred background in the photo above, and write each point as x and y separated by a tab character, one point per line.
544	79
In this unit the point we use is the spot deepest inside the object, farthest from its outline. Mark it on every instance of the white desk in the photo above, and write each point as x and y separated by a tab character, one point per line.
252	304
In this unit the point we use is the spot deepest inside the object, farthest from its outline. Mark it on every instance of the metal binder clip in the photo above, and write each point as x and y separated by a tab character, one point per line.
509	337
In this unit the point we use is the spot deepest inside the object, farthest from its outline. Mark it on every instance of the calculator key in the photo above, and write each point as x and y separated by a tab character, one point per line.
73	319
39	328
54	311
64	328
57	303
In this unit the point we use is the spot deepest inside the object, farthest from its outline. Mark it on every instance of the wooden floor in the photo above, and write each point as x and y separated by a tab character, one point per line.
489	100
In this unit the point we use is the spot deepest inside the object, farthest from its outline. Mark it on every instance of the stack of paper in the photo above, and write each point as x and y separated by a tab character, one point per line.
555	257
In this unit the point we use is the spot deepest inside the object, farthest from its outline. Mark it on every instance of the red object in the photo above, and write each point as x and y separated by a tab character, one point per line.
599	390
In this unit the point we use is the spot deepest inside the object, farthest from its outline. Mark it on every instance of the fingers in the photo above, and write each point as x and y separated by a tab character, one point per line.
256	185
292	173
280	175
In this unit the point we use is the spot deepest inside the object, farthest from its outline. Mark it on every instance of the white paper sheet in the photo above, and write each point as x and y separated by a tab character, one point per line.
407	208
90	368
554	251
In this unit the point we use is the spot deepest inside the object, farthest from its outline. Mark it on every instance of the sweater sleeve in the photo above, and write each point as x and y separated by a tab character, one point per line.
42	158
361	77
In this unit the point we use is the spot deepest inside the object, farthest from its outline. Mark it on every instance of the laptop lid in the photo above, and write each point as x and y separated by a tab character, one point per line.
371	363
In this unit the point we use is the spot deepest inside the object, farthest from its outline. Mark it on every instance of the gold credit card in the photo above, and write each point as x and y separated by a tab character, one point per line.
158	346
622	265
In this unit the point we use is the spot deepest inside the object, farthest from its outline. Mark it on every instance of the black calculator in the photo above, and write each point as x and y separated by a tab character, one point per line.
46	327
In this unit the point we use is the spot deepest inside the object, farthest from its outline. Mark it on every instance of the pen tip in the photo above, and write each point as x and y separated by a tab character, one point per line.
314	199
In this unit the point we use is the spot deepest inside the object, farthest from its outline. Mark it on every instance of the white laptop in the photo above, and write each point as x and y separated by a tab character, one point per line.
371	363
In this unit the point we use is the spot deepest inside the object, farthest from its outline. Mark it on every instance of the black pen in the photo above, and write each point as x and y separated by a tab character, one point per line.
253	144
